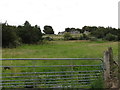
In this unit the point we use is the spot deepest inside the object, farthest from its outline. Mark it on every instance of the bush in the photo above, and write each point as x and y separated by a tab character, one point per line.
67	36
74	38
48	38
93	39
98	84
84	37
111	37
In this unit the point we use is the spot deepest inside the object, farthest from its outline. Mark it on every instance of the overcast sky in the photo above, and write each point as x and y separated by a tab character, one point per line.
60	14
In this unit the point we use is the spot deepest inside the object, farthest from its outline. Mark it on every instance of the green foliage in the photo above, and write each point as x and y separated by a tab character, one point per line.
89	28
9	36
48	38
97	32
73	29
84	37
48	30
105	33
111	37
29	34
93	39
67	36
98	84
27	24
13	36
74	38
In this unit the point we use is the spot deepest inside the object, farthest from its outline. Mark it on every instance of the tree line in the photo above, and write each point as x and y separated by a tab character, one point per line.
108	33
13	36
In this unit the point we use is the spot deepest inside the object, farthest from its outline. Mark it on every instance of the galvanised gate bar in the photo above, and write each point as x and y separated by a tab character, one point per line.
51	72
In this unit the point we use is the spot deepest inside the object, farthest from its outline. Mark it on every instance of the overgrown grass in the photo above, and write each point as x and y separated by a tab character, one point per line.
62	49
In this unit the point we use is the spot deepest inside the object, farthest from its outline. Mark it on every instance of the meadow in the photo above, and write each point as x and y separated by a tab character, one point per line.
62	49
56	49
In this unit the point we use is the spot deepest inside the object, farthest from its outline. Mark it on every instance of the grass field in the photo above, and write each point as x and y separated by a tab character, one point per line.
62	49
56	49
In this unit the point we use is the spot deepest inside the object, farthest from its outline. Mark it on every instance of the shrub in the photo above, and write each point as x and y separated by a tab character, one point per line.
111	37
67	36
74	38
93	38
48	38
98	84
81	38
84	37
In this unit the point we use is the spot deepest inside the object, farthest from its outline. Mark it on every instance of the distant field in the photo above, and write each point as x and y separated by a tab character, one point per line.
62	49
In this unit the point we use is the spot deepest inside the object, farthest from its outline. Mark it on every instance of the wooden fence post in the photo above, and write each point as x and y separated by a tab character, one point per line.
110	73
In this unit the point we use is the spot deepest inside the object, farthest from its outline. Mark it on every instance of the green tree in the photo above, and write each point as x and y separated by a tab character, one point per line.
9	36
29	34
48	30
67	29
99	33
27	24
80	30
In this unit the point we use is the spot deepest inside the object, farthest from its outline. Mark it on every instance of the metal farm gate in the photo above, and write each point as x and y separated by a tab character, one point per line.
51	72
